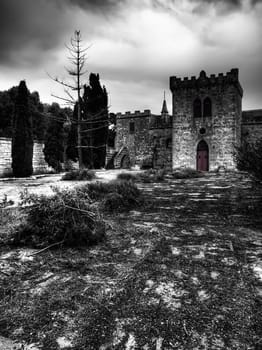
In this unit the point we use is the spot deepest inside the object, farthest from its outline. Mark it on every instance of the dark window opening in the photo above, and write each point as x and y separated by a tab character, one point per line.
131	127
202	131
207	107
168	143
197	108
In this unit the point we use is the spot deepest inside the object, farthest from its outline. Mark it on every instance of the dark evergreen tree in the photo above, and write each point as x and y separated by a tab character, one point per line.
22	145
55	138
95	131
71	151
7	111
40	120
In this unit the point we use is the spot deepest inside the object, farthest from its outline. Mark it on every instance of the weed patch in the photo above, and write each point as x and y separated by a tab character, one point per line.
152	175
79	175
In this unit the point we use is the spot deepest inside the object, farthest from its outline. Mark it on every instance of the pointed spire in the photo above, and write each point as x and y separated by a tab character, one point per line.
164	107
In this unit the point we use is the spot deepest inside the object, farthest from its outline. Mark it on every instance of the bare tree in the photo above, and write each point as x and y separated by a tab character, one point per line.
77	57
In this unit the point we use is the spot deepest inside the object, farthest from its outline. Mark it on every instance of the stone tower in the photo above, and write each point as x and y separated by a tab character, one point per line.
206	120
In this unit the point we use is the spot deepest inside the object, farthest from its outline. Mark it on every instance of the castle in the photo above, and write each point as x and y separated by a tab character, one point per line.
206	124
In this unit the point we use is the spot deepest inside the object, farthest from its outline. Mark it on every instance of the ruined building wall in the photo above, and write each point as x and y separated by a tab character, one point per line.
132	132
161	140
221	130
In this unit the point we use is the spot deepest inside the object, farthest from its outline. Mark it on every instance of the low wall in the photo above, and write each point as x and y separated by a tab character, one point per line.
39	163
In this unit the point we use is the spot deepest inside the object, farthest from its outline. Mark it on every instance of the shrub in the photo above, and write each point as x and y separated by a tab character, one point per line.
185	173
115	195
79	175
126	177
65	217
5	202
152	175
249	158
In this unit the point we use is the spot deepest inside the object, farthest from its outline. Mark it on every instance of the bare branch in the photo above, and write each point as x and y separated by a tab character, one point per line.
64	99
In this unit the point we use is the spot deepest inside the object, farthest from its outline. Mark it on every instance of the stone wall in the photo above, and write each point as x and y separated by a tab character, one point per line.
161	140
252	125
5	156
138	141
221	131
39	163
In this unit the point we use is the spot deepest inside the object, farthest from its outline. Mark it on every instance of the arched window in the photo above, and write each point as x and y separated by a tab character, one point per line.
207	107
197	108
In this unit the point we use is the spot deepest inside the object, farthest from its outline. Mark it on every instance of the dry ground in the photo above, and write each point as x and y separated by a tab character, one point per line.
184	272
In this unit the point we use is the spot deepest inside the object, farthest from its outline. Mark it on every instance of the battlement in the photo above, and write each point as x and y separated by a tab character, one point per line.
136	114
203	80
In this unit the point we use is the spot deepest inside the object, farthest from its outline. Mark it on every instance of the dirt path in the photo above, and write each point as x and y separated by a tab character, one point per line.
200	284
43	184
183	273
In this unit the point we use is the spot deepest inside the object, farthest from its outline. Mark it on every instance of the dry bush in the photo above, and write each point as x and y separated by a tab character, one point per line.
66	217
118	195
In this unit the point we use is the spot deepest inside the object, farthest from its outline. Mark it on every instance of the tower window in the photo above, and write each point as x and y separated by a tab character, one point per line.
131	127
197	108
168	143
207	107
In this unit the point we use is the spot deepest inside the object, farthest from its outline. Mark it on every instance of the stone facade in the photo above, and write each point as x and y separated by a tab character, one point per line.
219	129
144	139
133	133
39	163
207	123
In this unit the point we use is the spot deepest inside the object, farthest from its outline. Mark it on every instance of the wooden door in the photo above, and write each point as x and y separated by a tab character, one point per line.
202	156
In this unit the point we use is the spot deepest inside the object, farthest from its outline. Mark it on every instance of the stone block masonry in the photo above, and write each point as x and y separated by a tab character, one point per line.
206	125
133	133
39	163
220	130
6	156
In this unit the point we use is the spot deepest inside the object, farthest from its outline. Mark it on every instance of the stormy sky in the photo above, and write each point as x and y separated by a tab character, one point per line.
136	45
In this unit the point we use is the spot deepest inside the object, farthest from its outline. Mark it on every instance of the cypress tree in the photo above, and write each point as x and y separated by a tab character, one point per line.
55	137
96	130
22	144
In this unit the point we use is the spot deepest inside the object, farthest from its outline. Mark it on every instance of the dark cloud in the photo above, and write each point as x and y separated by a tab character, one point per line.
29	28
254	2
97	5
222	7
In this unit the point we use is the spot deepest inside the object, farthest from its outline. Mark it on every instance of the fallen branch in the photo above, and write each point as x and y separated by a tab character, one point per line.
50	246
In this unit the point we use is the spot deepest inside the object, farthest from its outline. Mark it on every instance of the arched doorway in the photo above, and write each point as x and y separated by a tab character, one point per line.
125	162
202	156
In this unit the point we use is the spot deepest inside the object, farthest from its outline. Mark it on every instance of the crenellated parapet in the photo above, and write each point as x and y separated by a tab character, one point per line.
135	114
203	80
